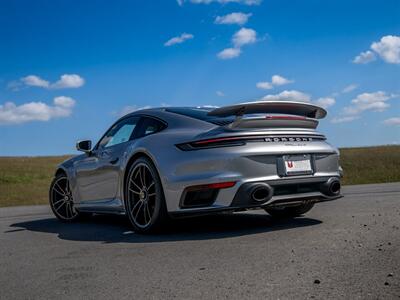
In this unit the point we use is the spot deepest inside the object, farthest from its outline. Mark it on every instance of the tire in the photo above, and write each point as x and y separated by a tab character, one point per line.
290	212
144	197
61	200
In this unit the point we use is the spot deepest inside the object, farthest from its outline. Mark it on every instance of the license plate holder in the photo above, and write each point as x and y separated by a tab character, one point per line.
297	165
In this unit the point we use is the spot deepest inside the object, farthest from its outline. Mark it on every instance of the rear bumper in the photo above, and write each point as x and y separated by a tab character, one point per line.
300	191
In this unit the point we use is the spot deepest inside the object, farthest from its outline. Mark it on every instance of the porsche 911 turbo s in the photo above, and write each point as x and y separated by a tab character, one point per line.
158	163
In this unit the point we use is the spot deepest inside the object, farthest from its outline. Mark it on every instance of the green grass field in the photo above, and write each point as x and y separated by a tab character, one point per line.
25	180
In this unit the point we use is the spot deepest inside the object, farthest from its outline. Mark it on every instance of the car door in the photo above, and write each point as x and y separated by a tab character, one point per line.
98	174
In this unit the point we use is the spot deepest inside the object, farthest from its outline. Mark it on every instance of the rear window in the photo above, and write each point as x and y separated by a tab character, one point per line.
200	114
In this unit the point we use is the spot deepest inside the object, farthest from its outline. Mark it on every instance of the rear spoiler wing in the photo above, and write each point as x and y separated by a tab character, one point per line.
270	107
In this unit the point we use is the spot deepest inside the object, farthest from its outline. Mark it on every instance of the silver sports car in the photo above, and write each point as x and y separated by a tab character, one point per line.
167	162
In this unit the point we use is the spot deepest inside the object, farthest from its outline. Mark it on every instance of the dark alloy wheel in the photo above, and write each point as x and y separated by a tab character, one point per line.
144	197
61	201
290	212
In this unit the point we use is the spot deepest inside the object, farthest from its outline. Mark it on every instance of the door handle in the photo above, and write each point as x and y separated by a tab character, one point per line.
114	161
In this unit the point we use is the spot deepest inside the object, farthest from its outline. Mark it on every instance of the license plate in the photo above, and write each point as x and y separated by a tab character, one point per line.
297	165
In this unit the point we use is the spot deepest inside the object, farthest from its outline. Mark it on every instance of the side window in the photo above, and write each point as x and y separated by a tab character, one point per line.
150	126
119	133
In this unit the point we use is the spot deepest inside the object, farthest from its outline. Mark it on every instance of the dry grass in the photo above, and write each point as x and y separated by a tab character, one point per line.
25	180
370	164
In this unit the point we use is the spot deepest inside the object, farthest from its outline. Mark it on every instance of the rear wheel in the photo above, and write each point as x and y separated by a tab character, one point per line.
290	212
61	200
144	197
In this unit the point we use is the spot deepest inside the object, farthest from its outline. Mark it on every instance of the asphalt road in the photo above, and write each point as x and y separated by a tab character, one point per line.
348	249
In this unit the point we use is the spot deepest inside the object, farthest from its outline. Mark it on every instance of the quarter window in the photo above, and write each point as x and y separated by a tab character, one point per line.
150	126
119	133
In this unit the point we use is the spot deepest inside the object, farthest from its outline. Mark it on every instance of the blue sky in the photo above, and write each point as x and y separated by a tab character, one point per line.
68	69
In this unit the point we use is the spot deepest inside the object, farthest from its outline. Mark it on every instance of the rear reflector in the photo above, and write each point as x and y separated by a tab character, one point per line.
221	185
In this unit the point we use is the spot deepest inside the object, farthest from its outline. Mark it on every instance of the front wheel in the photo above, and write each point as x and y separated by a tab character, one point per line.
144	197
61	201
289	212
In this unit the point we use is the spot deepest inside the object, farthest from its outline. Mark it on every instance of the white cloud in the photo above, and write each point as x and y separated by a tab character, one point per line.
276	80
279	80
388	48
245	2
264	85
10	113
364	57
392	122
33	80
68	81
244	36
233	18
344	119
178	39
65	81
229	53
292	95
350	88
130	108
220	93
325	102
368	101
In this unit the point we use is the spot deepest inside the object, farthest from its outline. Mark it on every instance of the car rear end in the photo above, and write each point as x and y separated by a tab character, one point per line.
254	156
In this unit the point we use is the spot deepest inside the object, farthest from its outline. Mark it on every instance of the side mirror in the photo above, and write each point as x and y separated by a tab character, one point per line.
85	146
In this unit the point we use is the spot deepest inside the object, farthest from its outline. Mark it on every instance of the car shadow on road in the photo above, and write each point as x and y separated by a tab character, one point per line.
116	229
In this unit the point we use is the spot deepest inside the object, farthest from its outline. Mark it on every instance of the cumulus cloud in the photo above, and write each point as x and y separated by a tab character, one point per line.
364	57
33	80
388	49
325	102
233	18
244	36
264	85
65	81
392	121
10	113
178	39
376	101
245	2
68	81
292	95
276	80
229	53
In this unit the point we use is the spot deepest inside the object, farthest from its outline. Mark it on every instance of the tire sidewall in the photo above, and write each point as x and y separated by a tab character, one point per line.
160	207
56	214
